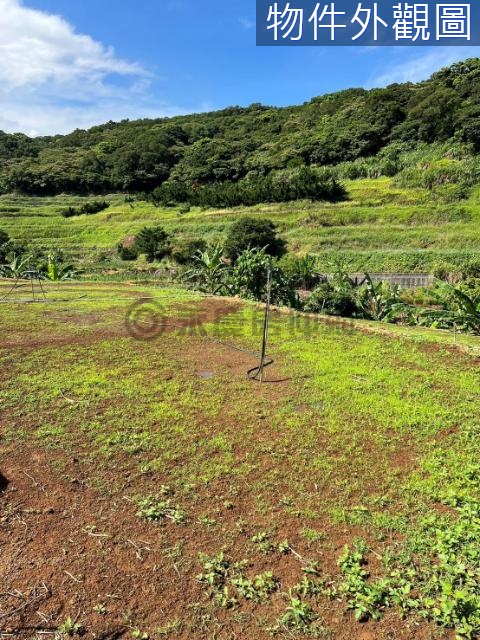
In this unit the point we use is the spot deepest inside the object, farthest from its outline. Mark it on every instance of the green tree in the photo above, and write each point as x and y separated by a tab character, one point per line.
253	233
154	243
250	274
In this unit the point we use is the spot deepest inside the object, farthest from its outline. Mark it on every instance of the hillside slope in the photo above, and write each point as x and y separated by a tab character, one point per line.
381	227
253	141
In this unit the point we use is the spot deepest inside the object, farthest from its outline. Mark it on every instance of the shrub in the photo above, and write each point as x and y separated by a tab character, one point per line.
69	213
5	246
89	208
253	233
249	279
127	253
281	186
331	301
154	242
185	249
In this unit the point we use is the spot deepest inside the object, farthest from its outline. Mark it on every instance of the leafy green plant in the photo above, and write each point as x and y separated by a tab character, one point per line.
56	271
209	272
70	628
299	619
367	599
19	267
380	301
302	270
155	510
310	588
257	589
459	309
217	571
263	542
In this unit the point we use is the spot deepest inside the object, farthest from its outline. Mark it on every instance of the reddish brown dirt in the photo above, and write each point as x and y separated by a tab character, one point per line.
67	548
205	313
72	546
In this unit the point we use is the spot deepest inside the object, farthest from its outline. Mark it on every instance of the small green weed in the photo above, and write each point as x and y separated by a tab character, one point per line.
300	619
70	628
263	543
257	589
155	510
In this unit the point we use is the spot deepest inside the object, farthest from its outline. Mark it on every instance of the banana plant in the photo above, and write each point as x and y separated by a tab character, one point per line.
56	272
209	272
17	268
380	301
460	309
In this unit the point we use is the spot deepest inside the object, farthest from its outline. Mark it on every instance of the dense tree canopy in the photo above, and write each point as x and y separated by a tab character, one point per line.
246	143
253	233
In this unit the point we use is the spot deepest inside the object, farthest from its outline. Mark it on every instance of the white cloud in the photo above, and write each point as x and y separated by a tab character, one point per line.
53	79
414	68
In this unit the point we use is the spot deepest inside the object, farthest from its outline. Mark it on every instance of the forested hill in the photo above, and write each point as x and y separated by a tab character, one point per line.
238	142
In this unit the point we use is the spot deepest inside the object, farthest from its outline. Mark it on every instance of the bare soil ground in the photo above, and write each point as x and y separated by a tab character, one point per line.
72	546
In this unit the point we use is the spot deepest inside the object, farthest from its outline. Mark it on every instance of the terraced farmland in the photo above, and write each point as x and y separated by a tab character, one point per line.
381	228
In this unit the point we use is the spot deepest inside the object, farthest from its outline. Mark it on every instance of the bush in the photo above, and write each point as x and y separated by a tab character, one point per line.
282	186
5	245
127	253
251	233
250	275
330	301
69	213
154	242
89	208
184	250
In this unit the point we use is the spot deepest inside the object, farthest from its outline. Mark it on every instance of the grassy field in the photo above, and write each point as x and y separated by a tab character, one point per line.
381	227
175	498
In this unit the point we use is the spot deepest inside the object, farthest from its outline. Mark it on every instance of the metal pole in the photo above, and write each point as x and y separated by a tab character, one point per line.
266	325
259	371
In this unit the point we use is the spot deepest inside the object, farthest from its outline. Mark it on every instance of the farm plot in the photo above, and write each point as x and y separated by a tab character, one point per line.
149	490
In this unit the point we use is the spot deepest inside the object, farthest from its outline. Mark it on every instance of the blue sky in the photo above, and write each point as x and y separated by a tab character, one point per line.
69	63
